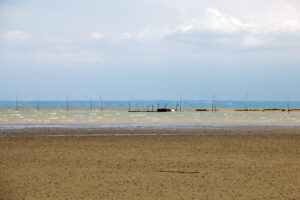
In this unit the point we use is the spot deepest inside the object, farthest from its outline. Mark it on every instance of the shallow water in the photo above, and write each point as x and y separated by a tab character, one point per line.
57	116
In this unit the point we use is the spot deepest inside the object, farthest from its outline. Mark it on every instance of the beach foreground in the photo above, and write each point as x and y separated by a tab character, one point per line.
239	164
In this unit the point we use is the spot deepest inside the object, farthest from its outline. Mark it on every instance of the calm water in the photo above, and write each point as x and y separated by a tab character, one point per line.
145	104
115	113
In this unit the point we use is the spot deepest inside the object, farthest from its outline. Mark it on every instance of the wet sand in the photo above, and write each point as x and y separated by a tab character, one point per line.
248	162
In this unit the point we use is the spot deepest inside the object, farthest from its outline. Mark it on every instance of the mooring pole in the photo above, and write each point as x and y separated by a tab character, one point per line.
17	107
288	106
101	104
38	103
180	102
68	106
91	104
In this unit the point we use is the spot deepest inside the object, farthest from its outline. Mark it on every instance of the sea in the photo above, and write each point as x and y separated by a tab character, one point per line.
115	113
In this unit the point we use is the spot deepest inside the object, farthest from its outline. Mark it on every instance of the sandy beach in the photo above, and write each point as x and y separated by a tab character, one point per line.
257	162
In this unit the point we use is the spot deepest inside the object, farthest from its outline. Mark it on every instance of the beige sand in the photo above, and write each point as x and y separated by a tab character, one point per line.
230	166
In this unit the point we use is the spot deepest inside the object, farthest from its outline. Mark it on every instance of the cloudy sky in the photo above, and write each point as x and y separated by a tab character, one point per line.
158	49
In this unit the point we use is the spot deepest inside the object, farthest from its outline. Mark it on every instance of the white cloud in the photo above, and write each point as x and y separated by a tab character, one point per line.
185	27
213	21
254	32
216	21
15	36
282	18
190	23
213	11
97	36
221	23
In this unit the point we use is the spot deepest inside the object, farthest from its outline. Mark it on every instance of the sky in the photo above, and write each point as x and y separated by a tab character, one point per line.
147	50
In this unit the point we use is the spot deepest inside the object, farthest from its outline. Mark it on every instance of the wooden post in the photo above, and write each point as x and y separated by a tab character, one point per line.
288	106
101	105
180	103
213	103
17	106
38	103
68	106
247	101
91	104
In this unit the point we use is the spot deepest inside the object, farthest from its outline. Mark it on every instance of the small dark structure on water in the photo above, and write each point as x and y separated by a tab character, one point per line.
201	110
165	110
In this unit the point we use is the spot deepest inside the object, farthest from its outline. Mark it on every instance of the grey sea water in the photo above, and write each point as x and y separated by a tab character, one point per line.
161	103
115	114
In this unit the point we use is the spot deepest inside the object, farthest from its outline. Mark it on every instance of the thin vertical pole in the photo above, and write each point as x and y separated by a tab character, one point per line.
288	106
247	101
38	103
91	104
68	106
213	104
128	106
101	104
17	106
180	102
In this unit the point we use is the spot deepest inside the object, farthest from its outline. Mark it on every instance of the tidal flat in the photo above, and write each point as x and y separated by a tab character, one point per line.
236	164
